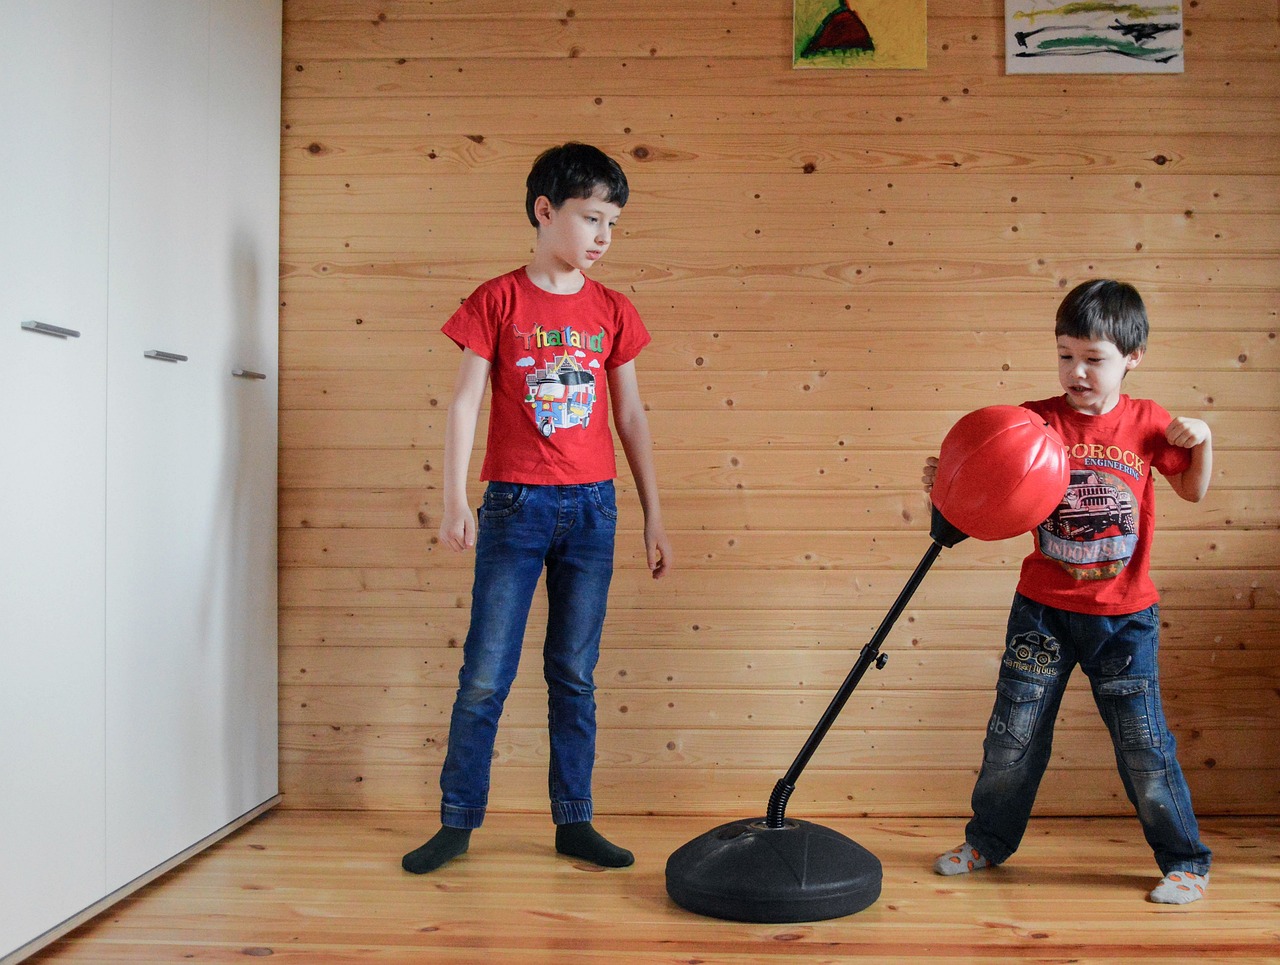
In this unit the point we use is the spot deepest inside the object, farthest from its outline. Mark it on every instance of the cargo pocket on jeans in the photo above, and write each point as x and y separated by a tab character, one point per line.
1126	705
1013	721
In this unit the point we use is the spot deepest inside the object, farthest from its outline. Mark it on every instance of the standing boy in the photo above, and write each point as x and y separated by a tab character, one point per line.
556	348
1085	597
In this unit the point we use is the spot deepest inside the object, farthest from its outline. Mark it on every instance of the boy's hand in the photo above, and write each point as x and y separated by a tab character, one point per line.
929	473
1187	433
1194	435
458	528
657	551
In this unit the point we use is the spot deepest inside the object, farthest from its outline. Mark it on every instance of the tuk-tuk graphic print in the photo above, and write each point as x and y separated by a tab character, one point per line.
562	394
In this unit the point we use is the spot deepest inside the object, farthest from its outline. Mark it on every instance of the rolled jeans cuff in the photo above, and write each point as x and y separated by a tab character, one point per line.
570	812
467	819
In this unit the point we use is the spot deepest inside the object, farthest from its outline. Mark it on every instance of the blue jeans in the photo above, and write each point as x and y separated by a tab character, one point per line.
1119	656
570	531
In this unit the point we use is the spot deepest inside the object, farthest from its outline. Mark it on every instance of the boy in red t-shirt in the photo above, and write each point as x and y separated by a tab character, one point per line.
1085	597
558	352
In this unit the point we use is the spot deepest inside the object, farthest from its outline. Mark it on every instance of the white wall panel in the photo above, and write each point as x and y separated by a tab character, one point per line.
243	237
54	74
139	185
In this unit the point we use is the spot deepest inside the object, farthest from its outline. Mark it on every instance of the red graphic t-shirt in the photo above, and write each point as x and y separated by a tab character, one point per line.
1093	554
549	354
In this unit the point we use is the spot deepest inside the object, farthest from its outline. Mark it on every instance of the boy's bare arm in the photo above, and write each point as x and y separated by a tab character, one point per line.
458	524
633	429
1193	434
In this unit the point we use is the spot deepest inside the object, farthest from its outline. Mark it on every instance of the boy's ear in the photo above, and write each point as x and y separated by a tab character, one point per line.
1133	358
542	208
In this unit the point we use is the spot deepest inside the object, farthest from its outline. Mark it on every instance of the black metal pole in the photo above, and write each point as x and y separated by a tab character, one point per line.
869	655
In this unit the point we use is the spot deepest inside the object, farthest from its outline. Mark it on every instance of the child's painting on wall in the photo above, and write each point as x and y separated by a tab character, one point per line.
1093	37
860	34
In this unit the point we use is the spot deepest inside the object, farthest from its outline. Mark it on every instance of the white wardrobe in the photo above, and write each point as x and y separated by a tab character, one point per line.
139	240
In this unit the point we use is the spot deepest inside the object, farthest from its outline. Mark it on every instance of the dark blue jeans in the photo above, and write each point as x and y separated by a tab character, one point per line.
570	531
1119	656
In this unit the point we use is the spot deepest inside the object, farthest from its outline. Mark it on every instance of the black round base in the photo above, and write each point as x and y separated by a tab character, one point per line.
746	871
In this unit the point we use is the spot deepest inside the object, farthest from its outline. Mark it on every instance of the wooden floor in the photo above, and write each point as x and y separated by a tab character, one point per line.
326	887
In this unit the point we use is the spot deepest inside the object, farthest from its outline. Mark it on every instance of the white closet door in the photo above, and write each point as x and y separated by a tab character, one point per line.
165	712
244	237
54	74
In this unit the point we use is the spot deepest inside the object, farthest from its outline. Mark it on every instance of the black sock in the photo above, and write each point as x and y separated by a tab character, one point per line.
581	840
446	845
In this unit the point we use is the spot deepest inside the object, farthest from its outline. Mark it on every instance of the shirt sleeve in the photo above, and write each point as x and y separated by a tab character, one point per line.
472	325
630	336
1169	459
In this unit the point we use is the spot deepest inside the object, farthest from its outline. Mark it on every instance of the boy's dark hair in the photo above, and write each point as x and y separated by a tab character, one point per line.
1104	309
574	170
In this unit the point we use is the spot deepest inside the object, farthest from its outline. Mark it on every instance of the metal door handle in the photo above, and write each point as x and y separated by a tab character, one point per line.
165	356
44	328
246	374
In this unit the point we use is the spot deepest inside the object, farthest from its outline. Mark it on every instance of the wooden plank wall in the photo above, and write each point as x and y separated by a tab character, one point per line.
835	266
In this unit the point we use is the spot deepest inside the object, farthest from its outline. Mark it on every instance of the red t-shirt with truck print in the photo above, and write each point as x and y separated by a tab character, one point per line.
1093	554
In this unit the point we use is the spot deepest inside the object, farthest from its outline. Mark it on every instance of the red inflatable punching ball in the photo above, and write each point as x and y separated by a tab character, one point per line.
1001	472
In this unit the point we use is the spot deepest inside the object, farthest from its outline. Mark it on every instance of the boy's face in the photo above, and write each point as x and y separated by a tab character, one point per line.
577	234
1091	372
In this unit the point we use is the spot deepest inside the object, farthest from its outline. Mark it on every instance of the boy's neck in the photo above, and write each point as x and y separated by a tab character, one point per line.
557	281
1106	406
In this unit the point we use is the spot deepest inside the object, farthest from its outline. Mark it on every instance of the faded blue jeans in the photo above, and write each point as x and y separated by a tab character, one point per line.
570	531
1119	656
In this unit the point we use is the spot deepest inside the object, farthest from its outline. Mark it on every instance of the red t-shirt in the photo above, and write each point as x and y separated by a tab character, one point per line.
1093	554
549	415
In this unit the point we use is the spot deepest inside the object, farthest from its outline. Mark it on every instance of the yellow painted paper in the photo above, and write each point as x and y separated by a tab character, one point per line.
898	31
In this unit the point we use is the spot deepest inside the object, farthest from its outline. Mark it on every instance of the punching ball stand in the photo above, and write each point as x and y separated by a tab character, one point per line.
1001	471
776	869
